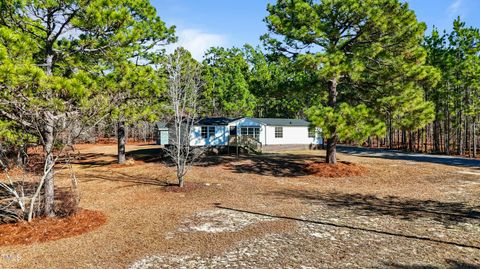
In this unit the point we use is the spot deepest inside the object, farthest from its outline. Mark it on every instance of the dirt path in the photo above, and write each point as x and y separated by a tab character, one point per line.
266	212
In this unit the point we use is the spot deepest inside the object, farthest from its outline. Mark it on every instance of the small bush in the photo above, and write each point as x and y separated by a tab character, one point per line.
11	211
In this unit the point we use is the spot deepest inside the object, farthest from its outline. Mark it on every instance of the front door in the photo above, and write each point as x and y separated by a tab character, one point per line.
233	130
163	137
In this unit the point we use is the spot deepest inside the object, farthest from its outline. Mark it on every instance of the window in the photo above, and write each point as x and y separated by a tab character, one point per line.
251	131
208	131
233	130
311	132
244	130
278	132
211	131
256	133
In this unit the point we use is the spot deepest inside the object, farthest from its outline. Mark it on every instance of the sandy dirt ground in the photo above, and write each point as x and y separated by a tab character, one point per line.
267	212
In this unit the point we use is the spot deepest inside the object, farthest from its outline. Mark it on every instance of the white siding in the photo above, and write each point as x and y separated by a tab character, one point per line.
246	122
292	135
220	138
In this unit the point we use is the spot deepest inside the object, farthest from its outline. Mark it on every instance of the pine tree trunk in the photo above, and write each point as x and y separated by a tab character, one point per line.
441	138
419	146
49	185
474	135
447	132
467	137
331	157
460	144
436	135
410	141
390	133
48	140
426	136
466	126
331	151
121	136
398	139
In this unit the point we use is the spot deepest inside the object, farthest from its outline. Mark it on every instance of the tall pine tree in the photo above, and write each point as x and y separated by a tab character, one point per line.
348	43
74	42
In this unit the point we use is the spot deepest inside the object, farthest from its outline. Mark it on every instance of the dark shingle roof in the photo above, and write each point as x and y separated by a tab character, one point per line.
214	121
281	122
221	121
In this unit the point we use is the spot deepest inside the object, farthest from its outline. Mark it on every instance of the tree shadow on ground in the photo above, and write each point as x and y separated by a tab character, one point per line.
159	155
280	165
267	164
148	155
451	264
91	160
447	213
123	177
277	165
351	227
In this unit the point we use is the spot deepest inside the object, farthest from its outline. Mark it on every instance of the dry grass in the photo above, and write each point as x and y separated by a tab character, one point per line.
341	169
266	211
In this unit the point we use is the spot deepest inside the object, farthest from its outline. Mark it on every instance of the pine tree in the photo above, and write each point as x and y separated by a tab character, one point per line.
227	90
135	94
75	42
456	55
356	47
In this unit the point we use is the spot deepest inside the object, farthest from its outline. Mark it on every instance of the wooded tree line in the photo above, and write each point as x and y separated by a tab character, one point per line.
414	90
457	95
363	71
438	118
449	123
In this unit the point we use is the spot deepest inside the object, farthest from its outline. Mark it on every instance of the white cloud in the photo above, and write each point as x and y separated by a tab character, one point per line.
197	42
455	8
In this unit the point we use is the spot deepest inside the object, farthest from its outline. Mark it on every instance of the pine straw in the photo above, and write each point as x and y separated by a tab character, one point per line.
143	220
48	229
187	187
15	172
341	169
128	163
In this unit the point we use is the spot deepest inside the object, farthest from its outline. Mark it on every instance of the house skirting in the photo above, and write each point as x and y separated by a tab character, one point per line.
268	148
221	149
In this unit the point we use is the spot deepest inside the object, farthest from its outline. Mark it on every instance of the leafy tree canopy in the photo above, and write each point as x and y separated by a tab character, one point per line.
226	76
362	51
353	123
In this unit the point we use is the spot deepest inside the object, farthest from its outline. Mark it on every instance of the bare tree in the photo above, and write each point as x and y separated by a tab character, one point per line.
184	85
68	126
13	204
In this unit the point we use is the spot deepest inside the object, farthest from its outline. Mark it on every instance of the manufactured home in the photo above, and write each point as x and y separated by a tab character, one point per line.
264	132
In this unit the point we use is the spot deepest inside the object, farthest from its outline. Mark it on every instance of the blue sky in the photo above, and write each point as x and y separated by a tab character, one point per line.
205	23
